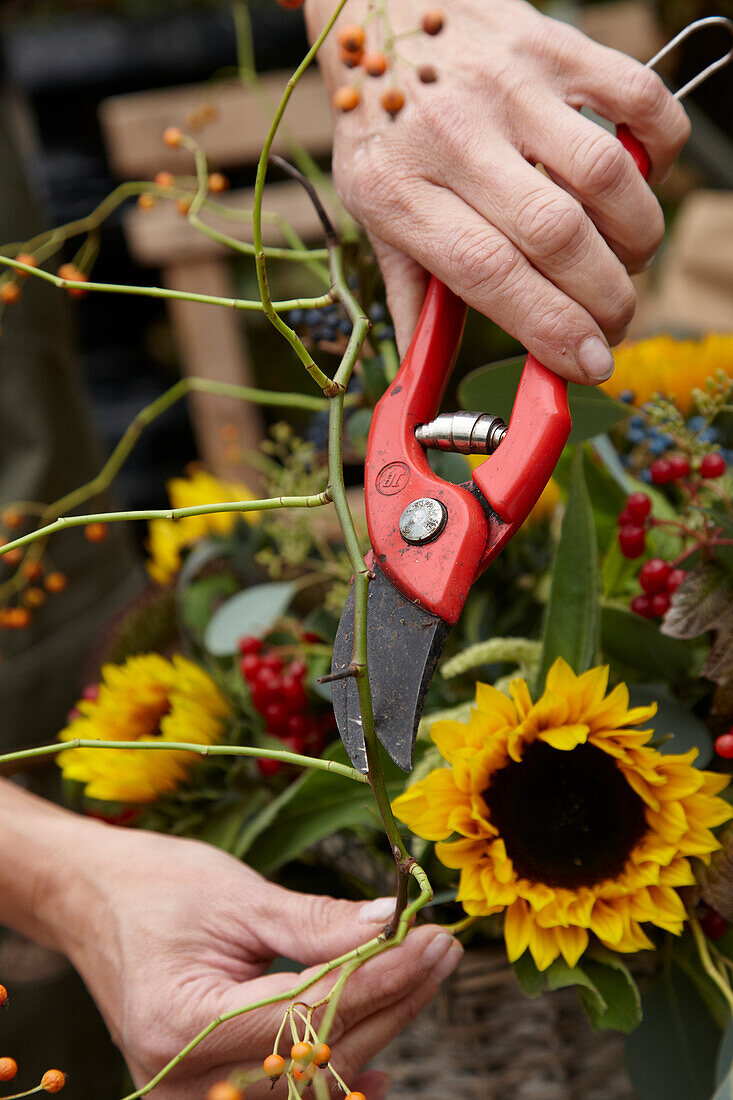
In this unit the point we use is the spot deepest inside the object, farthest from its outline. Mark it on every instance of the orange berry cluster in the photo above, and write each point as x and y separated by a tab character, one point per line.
354	54
53	1080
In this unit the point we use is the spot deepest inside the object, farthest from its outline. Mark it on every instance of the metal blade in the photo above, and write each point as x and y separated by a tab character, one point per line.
404	644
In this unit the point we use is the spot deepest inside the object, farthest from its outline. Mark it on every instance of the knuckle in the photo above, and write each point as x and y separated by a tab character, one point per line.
480	263
622	310
604	163
551	225
557	325
645	93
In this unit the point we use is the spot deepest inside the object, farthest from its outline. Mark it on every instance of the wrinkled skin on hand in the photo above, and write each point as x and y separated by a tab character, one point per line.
172	933
450	186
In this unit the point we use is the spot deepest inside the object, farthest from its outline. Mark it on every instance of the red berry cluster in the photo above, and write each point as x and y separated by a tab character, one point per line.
658	580
631	522
664	471
279	694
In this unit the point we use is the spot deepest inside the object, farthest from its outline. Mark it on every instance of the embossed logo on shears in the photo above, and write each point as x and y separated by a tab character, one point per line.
392	478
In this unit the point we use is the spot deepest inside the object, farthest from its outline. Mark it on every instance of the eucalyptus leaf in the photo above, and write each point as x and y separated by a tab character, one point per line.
571	617
672	1053
252	611
493	388
724	1090
613	982
724	1069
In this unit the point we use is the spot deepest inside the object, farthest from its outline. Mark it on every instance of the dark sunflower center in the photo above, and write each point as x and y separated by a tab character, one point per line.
568	819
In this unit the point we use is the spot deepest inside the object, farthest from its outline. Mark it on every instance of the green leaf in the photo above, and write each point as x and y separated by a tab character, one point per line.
224	825
614	983
492	389
636	645
451	467
687	731
724	1069
571	616
724	1090
252	611
531	980
672	1053
325	803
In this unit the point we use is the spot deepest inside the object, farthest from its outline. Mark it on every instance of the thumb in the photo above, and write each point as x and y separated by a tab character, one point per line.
311	929
406	283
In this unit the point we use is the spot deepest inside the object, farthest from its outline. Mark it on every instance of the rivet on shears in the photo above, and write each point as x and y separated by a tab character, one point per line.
708	21
423	520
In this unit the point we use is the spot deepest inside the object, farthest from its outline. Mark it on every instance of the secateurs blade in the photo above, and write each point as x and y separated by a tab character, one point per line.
430	538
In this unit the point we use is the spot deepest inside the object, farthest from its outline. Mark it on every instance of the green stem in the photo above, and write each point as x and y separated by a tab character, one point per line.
314	762
707	963
246	305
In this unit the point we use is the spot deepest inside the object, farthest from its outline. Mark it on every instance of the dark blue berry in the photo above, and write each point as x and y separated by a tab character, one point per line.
646	477
377	313
345	326
695	423
296	317
636	435
710	435
313	317
627	396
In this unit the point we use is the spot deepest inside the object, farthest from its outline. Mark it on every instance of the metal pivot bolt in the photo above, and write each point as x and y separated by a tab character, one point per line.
468	433
423	520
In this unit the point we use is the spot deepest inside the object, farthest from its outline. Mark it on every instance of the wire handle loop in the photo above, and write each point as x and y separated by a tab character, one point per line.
708	21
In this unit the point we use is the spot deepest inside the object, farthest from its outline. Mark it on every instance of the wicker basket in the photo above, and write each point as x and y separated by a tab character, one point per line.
482	1039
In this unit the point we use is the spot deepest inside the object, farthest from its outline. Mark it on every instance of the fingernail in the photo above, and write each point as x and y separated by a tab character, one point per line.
448	964
377	911
436	950
595	359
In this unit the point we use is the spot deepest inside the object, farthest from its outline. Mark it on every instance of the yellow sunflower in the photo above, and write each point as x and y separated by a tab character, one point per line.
167	538
148	698
564	818
671	367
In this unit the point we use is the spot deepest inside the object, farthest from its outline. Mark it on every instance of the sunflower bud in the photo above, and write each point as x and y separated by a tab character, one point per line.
716	880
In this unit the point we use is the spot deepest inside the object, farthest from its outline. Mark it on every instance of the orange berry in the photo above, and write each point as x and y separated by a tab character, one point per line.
304	1073
375	64
301	1053
146	201
3	996
72	274
55	582
224	1090
355	1096
322	1055
53	1080
274	1066
8	1069
11	518
95	532
164	179
29	260
18	618
351	60
351	38
433	21
218	182
9	293
13	557
346	98
172	137
32	570
393	101
183	206
34	597
428	74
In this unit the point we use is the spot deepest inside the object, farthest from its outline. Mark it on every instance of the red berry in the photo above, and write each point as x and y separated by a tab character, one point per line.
654	575
713	465
249	666
638	506
91	692
249	644
714	925
675	579
642	605
625	518
311	638
262	696
297	668
662	471
293	692
680	465
276	716
724	745
268	767
632	541
297	725
272	662
660	604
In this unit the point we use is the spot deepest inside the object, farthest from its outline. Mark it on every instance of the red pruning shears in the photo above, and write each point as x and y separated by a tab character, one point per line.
432	539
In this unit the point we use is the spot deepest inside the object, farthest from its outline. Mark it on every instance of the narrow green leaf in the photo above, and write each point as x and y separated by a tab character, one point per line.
492	389
252	611
637	648
571	617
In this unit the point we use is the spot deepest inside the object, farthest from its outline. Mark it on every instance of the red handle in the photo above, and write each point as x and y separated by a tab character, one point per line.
438	575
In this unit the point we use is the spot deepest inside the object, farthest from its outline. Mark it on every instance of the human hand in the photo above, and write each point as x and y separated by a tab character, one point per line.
450	185
174	933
